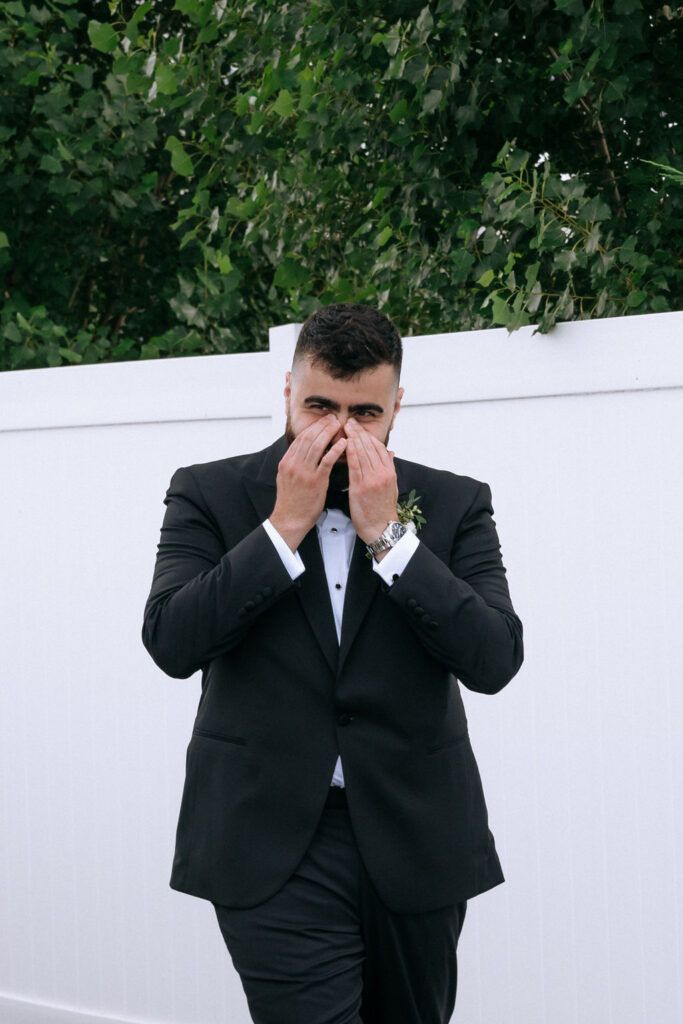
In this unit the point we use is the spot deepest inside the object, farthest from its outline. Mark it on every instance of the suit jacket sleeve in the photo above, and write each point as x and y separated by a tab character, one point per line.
462	610
204	598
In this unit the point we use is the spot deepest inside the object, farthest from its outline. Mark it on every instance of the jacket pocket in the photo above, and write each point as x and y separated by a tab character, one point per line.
221	737
448	744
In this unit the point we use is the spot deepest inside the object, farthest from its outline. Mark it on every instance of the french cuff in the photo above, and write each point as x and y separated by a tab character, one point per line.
290	559
397	558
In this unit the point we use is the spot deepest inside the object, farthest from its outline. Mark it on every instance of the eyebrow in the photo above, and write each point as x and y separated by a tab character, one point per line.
335	406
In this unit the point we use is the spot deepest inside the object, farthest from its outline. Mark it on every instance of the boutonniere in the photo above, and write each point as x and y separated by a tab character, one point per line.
409	512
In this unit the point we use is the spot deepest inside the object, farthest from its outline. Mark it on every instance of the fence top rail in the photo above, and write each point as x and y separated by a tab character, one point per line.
582	357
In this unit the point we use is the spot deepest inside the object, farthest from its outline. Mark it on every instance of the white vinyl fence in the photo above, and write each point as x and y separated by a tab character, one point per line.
580	434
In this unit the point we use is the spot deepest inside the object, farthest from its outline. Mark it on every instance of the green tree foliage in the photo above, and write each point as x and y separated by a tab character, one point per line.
175	177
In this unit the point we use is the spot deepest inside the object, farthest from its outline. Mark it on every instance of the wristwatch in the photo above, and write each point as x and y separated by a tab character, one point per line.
388	539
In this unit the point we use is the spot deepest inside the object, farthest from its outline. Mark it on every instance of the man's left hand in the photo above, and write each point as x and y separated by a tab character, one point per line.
373	490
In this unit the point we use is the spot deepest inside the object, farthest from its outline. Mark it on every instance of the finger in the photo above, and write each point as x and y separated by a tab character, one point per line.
329	458
302	441
366	458
379	450
315	439
353	463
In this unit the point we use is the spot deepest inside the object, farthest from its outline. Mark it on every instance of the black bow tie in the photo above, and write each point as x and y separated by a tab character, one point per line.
338	499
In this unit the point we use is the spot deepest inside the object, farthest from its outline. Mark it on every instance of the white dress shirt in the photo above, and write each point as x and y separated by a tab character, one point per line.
337	537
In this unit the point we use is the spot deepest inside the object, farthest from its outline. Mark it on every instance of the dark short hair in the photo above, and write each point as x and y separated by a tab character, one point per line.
348	337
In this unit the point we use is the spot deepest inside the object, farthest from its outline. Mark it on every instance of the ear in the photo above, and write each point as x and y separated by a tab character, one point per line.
288	390
397	406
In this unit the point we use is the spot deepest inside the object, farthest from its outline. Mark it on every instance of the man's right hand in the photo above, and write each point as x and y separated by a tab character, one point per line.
302	479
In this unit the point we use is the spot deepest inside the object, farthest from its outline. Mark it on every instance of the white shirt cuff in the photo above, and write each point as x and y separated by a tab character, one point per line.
290	559
397	558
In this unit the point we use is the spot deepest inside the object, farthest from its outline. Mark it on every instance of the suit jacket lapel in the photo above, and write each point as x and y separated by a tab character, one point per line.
403	488
312	589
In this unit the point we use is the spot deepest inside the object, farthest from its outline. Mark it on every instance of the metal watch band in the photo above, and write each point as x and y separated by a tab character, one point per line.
391	535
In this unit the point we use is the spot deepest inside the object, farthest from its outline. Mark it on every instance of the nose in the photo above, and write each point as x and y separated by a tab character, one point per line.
342	418
340	433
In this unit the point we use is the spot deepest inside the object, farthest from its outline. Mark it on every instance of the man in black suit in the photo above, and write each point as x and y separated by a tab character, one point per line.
333	811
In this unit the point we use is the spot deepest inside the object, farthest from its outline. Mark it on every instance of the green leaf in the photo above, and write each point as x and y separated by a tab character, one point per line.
70	355
166	80
4	240
636	299
595	209
12	333
431	101
284	104
617	89
149	351
378	197
291	274
103	36
131	30
501	312
398	111
425	21
486	278
180	160
490	240
50	164
391	42
534	299
674	173
576	90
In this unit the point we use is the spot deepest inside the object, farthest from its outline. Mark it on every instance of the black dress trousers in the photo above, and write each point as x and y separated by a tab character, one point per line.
325	950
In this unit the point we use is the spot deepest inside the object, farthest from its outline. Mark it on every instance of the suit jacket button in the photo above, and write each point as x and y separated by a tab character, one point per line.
343	719
242	611
267	591
411	602
433	624
419	610
249	605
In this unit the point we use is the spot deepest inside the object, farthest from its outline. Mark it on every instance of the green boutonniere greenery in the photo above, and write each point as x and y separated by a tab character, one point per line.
410	513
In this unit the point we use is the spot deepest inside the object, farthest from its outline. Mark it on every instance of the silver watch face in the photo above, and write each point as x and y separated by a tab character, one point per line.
395	531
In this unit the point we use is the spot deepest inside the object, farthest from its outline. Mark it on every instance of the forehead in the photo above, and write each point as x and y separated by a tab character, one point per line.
377	384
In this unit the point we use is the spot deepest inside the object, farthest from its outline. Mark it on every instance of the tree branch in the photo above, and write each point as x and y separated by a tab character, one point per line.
591	111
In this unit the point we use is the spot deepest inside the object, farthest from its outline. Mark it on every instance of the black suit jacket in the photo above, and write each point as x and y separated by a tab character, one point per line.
281	698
